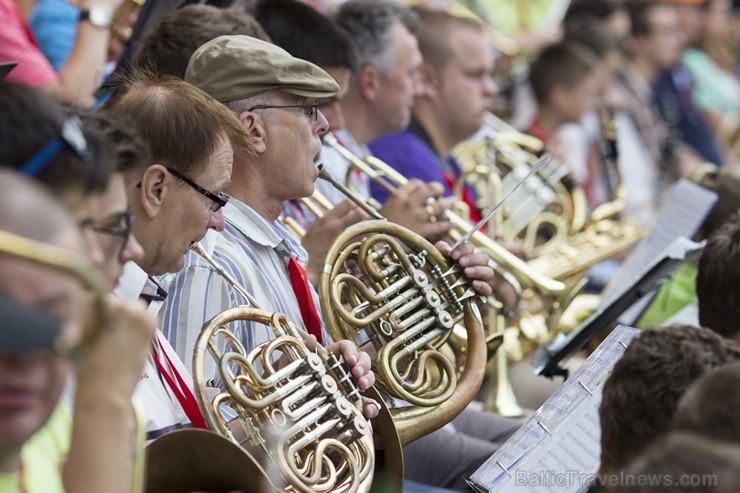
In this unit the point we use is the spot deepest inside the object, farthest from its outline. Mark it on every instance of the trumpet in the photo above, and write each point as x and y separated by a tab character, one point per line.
554	295
303	420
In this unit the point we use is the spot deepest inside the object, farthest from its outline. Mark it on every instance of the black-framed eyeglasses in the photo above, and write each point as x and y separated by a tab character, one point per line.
219	200
70	135
120	226
311	109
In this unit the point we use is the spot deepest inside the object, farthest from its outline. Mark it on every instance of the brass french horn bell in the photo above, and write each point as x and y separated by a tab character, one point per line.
298	415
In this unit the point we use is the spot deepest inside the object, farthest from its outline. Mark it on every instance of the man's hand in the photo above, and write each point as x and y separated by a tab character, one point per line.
320	235
358	365
409	206
475	266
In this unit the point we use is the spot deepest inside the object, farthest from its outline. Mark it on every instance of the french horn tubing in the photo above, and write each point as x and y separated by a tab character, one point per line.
301	418
553	295
395	295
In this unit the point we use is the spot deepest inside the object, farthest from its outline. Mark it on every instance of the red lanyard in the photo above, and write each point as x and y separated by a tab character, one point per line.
299	281
181	390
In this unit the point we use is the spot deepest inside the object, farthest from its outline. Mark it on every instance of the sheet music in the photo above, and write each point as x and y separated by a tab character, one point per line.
560	442
682	214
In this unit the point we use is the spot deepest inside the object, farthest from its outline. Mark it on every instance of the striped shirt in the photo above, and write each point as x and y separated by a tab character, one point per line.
254	252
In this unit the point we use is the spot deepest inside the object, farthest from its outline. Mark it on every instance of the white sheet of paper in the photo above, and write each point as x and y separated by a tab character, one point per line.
560	442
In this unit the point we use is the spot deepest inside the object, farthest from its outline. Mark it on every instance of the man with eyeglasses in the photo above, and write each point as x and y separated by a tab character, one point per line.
83	170
175	196
276	106
274	95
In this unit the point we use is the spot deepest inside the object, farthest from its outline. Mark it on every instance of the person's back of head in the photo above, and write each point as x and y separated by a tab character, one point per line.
41	139
718	282
563	66
305	33
680	462
127	149
640	396
710	406
167	48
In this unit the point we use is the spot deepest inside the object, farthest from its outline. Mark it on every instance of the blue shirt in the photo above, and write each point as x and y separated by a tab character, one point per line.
672	96
54	24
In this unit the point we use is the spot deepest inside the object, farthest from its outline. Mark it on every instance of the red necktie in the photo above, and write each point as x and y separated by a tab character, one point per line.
305	301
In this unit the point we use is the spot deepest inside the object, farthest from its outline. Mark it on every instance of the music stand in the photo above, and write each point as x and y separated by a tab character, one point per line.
546	360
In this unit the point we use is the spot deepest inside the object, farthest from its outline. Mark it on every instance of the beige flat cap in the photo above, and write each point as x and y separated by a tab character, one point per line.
237	67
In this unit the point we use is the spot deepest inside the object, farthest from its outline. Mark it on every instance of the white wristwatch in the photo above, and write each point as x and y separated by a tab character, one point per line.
100	16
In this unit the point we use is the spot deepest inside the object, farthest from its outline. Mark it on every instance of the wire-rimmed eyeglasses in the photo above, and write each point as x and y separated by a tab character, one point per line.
311	109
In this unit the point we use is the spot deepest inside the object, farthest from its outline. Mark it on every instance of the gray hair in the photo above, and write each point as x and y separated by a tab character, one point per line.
370	23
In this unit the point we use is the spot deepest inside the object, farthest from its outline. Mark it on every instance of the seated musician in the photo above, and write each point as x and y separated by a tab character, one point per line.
84	171
275	97
457	92
31	383
641	394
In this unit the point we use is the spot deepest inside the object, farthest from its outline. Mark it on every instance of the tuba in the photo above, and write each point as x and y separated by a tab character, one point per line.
300	423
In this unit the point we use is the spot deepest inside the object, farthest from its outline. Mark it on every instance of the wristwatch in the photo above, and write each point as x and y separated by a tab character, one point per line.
99	16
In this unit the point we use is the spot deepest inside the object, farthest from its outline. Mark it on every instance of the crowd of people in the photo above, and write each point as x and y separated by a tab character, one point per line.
210	140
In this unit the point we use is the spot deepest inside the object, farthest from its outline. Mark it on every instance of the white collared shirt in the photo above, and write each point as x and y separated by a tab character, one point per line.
163	412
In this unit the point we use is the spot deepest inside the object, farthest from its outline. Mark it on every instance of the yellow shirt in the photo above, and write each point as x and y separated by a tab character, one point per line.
516	16
43	456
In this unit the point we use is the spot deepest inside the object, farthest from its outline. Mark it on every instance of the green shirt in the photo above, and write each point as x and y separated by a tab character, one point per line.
42	457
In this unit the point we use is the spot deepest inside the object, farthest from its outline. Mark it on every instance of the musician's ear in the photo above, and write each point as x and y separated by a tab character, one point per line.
254	127
368	82
427	78
153	187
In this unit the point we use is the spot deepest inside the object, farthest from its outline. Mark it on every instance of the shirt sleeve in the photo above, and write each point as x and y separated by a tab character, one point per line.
16	46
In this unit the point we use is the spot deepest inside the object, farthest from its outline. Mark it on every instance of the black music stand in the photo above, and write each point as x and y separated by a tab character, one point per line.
546	360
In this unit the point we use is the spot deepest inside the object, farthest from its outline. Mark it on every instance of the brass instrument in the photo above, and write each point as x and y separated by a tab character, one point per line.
74	265
80	268
394	294
124	19
301	419
551	295
605	234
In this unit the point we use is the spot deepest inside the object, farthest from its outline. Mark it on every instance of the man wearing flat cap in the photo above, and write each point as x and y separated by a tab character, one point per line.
275	97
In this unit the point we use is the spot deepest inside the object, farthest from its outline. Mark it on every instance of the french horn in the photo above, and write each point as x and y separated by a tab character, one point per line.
395	295
298	413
